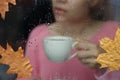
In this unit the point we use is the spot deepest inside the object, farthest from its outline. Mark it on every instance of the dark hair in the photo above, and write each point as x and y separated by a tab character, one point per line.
98	12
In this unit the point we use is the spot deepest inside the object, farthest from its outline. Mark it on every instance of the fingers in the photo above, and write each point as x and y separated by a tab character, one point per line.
94	66
85	45
86	54
90	62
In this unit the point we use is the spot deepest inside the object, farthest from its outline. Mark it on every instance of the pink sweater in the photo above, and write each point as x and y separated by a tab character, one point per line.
71	69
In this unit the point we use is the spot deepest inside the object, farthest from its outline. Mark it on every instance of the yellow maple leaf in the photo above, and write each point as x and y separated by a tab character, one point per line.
111	58
4	6
15	59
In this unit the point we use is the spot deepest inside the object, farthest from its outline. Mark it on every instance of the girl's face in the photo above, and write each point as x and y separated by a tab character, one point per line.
70	10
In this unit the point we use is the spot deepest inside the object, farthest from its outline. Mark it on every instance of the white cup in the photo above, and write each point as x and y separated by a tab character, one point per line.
58	48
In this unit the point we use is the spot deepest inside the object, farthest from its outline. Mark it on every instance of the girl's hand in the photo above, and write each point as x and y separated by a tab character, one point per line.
87	53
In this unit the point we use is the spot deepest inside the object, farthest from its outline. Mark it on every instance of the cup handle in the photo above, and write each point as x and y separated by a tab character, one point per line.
74	54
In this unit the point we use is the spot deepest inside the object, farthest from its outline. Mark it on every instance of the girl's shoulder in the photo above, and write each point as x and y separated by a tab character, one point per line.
111	24
108	29
39	30
35	37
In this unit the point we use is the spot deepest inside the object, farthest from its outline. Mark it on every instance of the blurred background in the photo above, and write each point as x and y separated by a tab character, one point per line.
26	14
21	19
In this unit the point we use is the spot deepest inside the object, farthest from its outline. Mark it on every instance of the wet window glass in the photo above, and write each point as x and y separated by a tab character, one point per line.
21	19
46	27
25	15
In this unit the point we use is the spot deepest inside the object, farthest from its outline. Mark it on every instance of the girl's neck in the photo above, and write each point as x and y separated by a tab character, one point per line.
76	25
75	29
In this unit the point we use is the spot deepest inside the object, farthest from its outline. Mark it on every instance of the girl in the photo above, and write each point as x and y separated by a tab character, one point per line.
77	19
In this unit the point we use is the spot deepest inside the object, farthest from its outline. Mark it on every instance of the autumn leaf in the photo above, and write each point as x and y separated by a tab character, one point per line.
4	6
111	58
15	59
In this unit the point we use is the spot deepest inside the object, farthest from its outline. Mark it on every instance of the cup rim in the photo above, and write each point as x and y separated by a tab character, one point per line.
57	37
